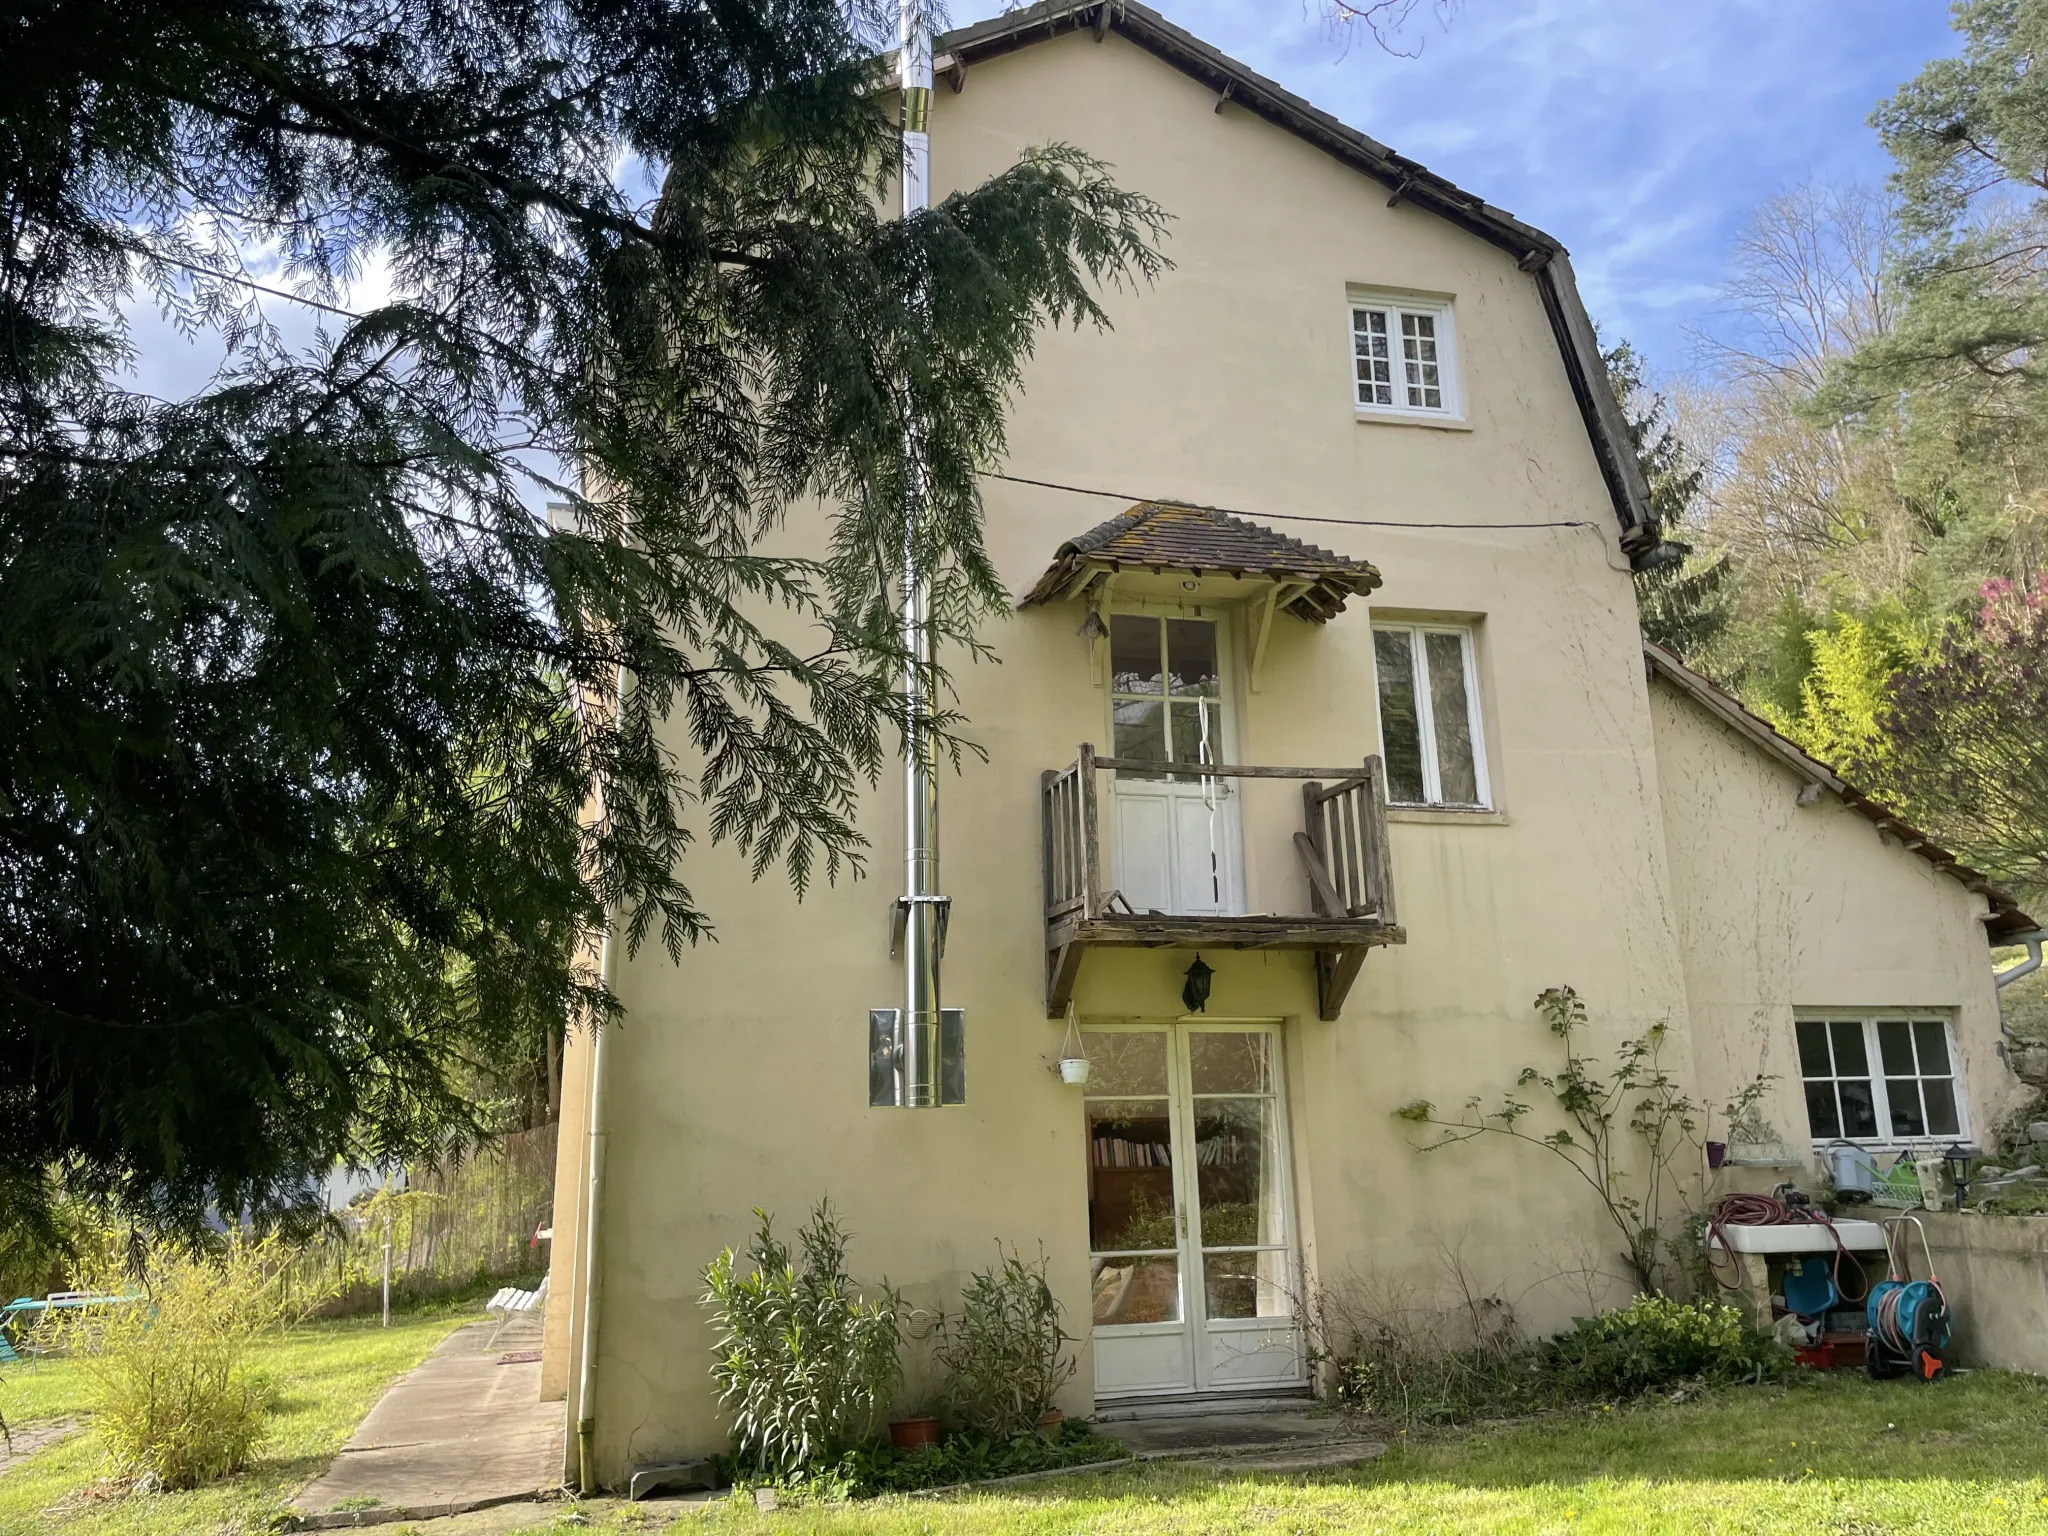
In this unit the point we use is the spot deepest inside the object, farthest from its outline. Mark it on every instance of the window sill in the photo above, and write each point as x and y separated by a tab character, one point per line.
1446	815
1394	418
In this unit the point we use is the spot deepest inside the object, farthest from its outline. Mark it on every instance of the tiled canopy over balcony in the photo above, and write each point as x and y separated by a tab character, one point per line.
1162	536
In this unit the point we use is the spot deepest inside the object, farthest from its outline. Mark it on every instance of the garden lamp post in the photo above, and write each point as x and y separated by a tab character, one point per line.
1959	1158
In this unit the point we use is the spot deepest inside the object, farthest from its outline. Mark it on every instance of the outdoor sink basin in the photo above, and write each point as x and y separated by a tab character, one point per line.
1802	1237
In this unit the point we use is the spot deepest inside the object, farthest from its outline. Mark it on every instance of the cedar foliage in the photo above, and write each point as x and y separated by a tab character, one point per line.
301	703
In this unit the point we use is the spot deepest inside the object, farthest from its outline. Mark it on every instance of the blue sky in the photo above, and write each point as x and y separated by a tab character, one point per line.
1639	132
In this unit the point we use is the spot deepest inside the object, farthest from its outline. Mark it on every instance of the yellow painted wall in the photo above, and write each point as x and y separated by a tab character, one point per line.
739	1077
1784	907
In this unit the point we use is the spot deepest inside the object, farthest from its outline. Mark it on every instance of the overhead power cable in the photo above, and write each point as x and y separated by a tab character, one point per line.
1281	517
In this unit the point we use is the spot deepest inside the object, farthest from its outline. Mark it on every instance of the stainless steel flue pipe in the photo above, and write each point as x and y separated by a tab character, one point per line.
924	908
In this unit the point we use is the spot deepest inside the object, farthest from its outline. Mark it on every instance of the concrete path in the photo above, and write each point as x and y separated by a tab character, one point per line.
26	1439
460	1432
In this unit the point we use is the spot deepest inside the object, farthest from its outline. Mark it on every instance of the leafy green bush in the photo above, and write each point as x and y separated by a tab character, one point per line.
1421	1365
1654	1341
174	1397
805	1365
1005	1353
965	1457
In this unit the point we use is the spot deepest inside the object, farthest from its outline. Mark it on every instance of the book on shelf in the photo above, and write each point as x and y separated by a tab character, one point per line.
1117	1152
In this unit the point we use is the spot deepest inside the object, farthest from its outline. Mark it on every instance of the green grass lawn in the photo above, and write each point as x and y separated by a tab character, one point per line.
325	1376
1835	1456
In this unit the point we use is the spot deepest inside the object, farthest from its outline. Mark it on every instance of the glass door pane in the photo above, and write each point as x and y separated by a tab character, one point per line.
1133	1224
1137	681
1175	829
1240	1208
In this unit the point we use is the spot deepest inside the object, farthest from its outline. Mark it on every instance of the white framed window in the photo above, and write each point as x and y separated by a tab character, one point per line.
1880	1079
1429	715
1403	357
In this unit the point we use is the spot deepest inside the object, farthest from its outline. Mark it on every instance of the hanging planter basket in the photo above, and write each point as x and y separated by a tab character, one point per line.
1074	1064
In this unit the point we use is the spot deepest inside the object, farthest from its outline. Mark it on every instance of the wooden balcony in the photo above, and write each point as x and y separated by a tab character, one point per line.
1341	851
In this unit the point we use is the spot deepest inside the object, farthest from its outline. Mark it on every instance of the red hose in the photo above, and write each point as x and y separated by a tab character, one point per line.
1746	1210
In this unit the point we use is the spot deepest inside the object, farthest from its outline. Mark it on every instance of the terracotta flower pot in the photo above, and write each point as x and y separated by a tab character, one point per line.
909	1434
1049	1422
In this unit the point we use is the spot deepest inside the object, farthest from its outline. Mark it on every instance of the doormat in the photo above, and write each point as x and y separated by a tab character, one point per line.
520	1357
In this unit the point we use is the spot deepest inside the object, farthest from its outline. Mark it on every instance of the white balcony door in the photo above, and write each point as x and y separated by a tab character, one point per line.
1193	1258
1176	836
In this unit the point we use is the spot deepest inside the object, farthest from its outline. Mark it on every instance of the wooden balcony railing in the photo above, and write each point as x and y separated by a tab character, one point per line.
1342	852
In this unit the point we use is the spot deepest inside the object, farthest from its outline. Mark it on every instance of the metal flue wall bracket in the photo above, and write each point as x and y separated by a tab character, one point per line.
889	1085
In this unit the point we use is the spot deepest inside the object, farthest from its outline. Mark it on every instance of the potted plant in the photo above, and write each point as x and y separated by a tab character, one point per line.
920	1428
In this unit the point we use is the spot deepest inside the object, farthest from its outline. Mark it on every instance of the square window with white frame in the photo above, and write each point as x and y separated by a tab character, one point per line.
1403	357
1430	737
1880	1079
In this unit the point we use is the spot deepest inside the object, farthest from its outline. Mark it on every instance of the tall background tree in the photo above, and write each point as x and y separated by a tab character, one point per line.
1684	604
302	705
1870	412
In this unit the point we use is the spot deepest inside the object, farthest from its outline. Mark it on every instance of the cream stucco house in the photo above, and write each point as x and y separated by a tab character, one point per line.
1464	779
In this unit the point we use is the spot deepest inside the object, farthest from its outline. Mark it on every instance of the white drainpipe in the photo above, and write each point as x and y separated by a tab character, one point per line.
2026	967
593	1274
923	907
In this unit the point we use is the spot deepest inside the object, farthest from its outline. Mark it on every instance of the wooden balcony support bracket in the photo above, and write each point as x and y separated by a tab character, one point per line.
1062	968
1283	593
1336	970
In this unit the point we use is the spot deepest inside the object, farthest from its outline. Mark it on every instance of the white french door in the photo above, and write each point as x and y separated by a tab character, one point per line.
1192	1257
1176	832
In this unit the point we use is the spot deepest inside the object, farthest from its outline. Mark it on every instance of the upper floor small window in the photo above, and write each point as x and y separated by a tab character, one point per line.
1403	361
1429	715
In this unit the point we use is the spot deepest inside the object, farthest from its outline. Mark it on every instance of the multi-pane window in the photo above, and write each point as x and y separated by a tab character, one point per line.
1879	1079
1166	689
1429	715
1401	358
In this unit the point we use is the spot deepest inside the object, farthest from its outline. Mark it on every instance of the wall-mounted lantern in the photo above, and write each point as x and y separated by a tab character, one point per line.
1195	990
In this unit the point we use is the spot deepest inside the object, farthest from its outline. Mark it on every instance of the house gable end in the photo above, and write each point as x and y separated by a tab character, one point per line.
1408	181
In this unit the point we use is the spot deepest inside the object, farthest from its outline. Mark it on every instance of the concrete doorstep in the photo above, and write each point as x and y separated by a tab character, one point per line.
461	1432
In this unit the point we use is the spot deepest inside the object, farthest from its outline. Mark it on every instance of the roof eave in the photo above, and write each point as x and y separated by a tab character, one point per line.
1326	592
2005	917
